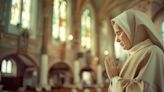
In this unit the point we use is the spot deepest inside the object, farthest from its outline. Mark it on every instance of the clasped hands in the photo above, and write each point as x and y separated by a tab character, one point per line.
112	67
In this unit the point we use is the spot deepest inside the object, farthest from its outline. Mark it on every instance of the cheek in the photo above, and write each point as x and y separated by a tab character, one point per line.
126	41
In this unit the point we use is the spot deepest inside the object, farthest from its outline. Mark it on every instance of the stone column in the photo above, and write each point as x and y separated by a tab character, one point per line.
44	58
47	6
99	75
44	71
76	72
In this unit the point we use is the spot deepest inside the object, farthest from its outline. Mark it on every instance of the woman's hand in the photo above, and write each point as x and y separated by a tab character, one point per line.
112	68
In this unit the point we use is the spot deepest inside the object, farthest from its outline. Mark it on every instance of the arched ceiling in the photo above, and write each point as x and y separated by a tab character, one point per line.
107	8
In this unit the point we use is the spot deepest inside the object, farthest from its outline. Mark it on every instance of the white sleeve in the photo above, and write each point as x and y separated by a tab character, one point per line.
114	86
117	84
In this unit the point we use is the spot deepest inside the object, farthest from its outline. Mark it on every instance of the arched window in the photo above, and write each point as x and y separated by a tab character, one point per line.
86	77
23	15
9	66
86	32
59	20
6	66
26	13
15	12
162	29
20	13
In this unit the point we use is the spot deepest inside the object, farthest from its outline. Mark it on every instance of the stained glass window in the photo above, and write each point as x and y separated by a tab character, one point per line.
86	29
15	12
26	13
59	20
20	13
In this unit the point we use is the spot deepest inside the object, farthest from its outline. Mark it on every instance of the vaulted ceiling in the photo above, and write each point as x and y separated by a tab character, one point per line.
104	8
112	7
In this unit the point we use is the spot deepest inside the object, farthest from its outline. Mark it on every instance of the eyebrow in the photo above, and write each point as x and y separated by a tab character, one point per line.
118	32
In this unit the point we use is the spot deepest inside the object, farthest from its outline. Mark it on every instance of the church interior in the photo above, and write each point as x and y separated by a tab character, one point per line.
72	38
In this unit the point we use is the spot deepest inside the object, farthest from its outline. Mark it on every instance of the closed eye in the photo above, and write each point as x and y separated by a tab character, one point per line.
118	32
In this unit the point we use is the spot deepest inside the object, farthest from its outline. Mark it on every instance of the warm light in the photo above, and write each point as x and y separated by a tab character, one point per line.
86	76
62	33
70	37
59	20
26	14
88	43
106	52
15	12
63	9
4	66
96	58
86	37
9	67
55	33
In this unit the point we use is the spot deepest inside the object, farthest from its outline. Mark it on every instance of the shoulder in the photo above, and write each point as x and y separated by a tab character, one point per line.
154	49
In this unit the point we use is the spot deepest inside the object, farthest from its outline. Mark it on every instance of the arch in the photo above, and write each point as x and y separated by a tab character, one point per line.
89	6
14	52
9	64
60	66
16	81
87	70
59	74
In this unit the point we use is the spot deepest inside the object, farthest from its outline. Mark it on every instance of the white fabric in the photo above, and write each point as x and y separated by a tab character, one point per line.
131	22
114	85
143	70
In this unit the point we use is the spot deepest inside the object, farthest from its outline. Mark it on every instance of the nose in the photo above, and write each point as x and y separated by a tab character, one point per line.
117	39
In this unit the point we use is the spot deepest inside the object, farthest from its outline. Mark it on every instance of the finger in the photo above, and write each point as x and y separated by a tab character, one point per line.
106	65
107	69
108	60
111	61
118	68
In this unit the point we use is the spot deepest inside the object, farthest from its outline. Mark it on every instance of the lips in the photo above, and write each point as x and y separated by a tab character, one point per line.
121	44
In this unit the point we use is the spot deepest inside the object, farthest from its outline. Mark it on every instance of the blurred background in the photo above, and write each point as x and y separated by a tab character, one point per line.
60	45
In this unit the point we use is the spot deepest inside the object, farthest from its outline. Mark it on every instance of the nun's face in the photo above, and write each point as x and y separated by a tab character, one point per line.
121	37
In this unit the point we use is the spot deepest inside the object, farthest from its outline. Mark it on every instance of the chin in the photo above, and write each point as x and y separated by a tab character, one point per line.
126	48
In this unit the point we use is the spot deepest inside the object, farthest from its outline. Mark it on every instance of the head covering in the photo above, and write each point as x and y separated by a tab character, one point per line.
134	23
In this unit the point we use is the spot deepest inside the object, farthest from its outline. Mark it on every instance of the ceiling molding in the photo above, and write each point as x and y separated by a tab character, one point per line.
102	9
116	6
80	5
